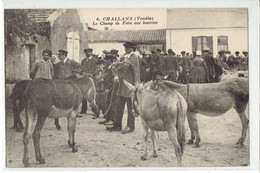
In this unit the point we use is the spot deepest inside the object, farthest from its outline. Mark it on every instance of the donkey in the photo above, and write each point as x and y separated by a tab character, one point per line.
53	98
212	99
160	111
18	95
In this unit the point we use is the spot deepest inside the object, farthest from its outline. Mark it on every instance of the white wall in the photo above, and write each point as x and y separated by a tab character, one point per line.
179	40
99	47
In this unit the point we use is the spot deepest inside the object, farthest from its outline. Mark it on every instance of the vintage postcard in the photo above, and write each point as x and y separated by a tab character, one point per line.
129	87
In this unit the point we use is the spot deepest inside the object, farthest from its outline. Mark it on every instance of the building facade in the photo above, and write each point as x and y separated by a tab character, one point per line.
216	29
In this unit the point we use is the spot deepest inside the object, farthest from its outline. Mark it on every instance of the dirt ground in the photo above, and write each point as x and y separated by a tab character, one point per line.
100	148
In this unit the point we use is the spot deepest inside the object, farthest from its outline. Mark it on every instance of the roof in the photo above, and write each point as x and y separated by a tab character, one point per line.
192	18
137	36
39	15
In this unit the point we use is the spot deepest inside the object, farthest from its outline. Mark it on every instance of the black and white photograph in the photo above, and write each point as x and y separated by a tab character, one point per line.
127	87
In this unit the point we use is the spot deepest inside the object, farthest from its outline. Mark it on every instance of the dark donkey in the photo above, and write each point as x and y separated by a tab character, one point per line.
18	95
53	98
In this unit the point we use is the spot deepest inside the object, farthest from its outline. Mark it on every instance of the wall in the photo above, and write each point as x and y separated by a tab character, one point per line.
179	40
65	22
99	47
16	61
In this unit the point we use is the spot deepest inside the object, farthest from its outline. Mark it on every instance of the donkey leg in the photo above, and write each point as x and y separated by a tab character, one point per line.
154	139
190	142
57	124
240	109
173	137
30	114
42	115
145	141
196	129
71	130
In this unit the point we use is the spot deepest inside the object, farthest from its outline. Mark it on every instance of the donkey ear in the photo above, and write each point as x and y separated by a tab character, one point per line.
128	85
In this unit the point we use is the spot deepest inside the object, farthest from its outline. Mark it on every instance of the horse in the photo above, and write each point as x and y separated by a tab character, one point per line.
212	99
55	99
160	111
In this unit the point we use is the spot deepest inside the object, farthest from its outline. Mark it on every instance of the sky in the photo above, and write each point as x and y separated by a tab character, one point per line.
126	19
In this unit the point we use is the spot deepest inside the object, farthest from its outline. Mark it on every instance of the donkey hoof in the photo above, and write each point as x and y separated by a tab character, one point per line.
196	145
239	145
41	161
74	150
154	155
26	165
143	158
58	127
190	142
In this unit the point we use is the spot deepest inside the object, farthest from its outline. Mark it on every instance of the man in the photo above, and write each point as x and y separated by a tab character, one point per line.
171	66
124	93
43	68
211	73
156	62
185	67
89	66
145	67
245	61
66	67
114	52
110	92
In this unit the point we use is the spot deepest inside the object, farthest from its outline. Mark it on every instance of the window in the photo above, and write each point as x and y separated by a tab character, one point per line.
73	46
222	43
201	42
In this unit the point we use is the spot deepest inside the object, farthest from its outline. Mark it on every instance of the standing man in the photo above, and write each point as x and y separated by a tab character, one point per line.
210	65
89	66
171	66
185	67
66	67
124	93
43	68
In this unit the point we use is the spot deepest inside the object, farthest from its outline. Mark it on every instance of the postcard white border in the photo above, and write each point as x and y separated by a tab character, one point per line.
253	11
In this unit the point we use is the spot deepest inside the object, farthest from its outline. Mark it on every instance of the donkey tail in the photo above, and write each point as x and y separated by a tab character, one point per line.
180	125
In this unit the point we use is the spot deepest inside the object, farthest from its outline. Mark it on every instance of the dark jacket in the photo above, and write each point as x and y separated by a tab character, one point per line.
89	65
132	76
67	69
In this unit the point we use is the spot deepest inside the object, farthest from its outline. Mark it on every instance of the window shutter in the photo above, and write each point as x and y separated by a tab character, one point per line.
194	43
210	44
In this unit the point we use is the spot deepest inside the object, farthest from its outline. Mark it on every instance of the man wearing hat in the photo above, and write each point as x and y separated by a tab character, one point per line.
211	73
43	68
66	67
185	67
110	92
171	66
89	66
123	92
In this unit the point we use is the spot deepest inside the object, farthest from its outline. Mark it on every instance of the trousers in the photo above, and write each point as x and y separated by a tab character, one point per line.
121	101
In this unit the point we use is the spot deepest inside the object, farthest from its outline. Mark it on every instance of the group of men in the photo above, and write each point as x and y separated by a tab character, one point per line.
177	67
146	66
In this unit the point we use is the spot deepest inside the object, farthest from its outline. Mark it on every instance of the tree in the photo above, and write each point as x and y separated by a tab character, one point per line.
18	24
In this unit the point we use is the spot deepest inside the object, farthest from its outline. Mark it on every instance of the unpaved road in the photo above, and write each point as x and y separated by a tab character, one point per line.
100	148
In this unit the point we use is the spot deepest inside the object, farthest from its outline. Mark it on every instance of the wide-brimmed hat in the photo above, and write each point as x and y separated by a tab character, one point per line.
182	52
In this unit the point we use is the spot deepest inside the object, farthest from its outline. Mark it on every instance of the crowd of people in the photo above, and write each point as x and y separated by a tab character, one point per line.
195	67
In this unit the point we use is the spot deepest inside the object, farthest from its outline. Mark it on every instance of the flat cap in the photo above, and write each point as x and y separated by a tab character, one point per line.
129	44
88	50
